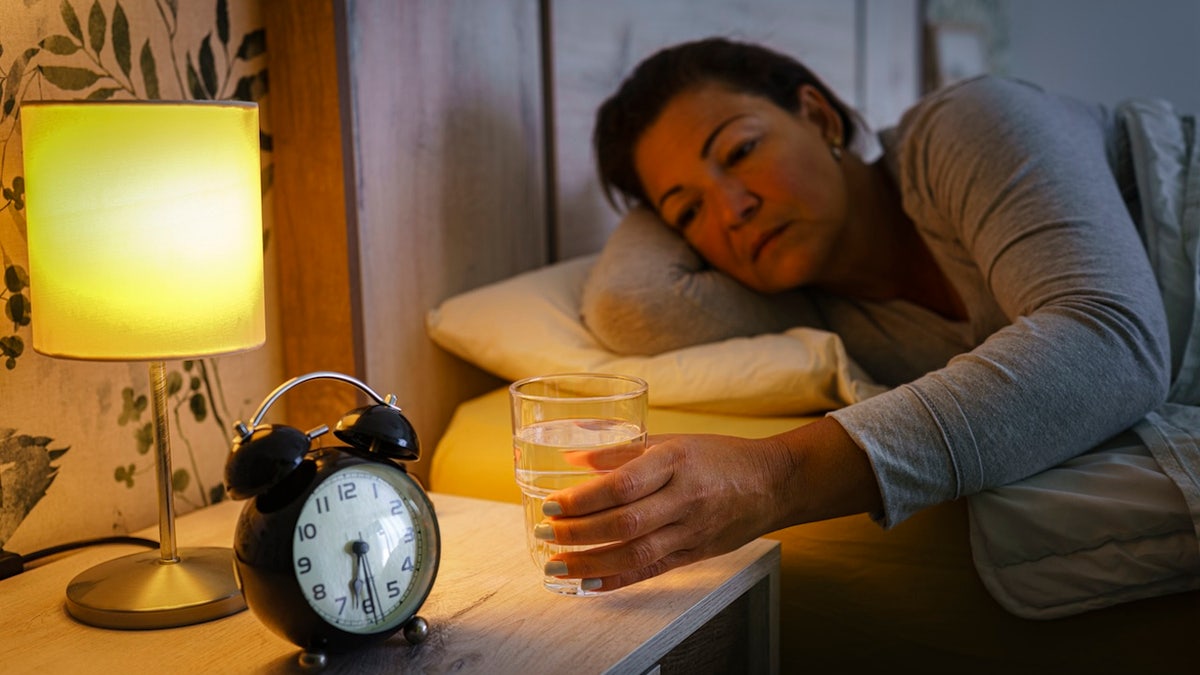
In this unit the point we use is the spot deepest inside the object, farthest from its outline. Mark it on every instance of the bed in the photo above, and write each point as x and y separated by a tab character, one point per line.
854	597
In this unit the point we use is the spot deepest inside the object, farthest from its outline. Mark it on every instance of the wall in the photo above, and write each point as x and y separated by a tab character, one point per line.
428	114
75	456
1107	50
445	173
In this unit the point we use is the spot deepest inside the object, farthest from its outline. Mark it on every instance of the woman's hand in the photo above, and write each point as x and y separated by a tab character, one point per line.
685	499
691	497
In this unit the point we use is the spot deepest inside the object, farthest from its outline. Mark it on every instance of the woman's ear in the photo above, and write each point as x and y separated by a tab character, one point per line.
816	109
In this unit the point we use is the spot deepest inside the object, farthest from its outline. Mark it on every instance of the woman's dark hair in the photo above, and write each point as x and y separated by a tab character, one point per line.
743	67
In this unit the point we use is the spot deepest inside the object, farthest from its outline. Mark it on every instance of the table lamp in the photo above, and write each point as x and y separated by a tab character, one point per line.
145	244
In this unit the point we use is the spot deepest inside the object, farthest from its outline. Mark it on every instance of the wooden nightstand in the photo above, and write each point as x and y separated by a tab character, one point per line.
488	613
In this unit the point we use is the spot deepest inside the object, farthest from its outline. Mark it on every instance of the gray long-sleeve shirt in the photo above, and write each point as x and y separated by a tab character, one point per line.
1024	199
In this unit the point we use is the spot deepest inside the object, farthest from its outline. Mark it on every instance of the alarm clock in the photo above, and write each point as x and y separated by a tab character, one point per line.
336	547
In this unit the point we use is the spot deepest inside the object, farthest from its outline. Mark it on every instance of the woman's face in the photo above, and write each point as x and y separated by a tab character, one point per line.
754	188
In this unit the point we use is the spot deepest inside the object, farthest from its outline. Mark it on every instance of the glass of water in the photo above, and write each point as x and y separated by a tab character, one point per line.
566	429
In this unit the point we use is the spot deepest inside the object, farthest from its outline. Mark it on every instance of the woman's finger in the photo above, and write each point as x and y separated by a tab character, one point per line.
622	523
613	456
634	480
630	577
608	458
618	558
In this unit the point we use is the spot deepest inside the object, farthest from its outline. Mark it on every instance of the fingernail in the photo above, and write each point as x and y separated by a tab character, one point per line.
555	568
551	509
543	531
590	584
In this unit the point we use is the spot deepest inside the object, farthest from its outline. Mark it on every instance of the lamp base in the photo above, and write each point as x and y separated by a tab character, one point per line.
142	591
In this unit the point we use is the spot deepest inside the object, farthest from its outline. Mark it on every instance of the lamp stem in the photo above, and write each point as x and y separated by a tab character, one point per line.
164	588
162	464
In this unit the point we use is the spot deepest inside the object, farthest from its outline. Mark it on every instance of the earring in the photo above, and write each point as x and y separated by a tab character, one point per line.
835	149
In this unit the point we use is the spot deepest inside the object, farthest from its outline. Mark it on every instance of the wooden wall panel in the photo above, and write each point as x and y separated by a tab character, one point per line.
890	80
444	120
315	275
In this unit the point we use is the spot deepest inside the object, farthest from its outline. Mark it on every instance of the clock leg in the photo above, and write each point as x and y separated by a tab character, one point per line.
416	630
313	660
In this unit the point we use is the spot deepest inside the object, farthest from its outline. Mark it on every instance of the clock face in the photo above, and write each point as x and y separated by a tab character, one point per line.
364	548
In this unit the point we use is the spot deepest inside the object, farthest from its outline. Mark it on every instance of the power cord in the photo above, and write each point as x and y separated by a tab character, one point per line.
12	564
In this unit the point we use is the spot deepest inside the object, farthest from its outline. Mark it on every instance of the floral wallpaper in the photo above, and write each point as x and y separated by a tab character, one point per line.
76	436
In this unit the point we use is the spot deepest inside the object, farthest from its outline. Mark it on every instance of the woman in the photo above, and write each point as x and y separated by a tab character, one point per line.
986	266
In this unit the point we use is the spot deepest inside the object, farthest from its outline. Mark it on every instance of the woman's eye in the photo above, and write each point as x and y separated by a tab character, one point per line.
685	217
740	151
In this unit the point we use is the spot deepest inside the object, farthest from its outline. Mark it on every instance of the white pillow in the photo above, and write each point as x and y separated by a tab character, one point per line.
530	325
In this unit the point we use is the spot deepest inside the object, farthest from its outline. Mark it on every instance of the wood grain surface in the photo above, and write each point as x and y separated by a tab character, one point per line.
488	613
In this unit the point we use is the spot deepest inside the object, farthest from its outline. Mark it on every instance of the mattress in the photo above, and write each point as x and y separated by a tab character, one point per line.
856	597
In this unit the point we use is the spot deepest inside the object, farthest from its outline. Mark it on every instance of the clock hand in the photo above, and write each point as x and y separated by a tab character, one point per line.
372	595
359	549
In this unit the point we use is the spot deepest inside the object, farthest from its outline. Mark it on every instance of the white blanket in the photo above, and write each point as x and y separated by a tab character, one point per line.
1122	522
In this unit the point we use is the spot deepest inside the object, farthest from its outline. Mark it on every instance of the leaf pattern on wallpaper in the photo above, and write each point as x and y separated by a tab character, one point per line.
15	292
95	52
26	471
91	57
191	391
109	42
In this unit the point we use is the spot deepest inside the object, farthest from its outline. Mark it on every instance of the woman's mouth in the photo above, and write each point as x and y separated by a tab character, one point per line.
766	238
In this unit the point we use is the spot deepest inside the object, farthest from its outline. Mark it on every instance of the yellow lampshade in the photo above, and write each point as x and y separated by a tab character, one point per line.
144	228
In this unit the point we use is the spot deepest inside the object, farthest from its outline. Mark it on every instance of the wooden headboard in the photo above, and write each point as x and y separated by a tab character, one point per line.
427	147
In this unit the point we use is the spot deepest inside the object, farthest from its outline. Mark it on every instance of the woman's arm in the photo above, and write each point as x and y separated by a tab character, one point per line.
1013	189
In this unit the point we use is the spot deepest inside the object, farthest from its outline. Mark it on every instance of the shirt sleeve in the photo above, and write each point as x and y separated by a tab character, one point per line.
1019	182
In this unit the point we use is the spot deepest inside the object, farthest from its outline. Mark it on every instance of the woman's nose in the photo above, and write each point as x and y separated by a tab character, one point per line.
737	205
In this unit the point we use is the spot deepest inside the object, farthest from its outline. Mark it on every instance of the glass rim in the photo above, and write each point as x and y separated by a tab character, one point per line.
640	387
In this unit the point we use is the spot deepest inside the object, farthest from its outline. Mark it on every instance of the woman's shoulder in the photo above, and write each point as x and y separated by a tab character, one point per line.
986	87
962	146
986	105
985	101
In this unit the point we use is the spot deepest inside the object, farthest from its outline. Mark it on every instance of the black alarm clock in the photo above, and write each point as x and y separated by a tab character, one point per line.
337	547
